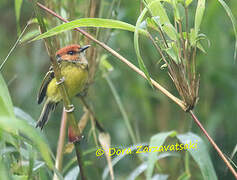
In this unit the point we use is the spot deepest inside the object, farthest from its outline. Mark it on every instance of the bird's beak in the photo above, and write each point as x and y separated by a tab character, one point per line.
84	48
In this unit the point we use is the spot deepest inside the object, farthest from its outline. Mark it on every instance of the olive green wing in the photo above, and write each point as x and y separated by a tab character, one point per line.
43	89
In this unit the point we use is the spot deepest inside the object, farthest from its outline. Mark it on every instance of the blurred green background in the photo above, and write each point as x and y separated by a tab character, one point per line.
149	111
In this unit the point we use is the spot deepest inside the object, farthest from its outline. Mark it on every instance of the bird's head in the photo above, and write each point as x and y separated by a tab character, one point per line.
73	53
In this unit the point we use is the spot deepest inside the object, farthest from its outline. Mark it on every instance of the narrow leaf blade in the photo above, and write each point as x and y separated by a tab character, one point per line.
199	154
89	22
156	141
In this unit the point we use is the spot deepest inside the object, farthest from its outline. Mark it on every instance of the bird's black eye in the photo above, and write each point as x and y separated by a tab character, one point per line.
71	52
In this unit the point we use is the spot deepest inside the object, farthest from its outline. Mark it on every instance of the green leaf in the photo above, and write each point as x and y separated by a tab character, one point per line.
10	137
184	176
198	16
172	53
176	10
142	167
5	173
234	151
29	131
233	21
31	155
30	35
72	174
5	99
150	22
160	177
149	1
89	22
199	154
137	49
118	158
157	10
136	172
9	123
188	2
20	177
156	141
199	46
23	115
7	150
18	4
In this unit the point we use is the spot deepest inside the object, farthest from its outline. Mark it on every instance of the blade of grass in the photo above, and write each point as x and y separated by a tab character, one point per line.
157	10
233	21
89	22
121	108
13	47
156	141
11	124
18	4
198	16
5	99
137	49
199	154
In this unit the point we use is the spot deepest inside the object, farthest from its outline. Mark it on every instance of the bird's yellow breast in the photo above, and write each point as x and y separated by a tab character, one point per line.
75	76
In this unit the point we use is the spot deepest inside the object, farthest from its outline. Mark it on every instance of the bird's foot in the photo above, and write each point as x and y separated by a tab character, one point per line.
60	81
71	108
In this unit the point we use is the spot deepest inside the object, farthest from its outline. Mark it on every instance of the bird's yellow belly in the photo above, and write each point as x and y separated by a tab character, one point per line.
75	80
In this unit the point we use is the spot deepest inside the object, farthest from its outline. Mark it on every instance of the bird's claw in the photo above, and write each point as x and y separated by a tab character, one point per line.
71	106
60	81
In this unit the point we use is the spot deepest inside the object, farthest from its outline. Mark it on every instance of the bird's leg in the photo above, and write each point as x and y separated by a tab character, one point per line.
60	81
71	106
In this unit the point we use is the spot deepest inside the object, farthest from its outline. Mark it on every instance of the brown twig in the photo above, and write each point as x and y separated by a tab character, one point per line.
79	160
61	140
97	123
213	144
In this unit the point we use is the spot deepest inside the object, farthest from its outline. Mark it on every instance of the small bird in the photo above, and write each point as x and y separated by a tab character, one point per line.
74	70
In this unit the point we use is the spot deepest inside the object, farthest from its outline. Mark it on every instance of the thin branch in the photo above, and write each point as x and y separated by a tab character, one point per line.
213	144
61	140
14	46
79	159
97	123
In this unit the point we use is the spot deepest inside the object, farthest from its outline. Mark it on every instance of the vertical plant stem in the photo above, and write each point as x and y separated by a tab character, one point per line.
14	46
121	107
186	24
61	140
74	133
79	159
213	144
187	162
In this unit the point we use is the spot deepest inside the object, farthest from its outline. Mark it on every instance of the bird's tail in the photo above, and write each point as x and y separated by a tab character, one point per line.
45	114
